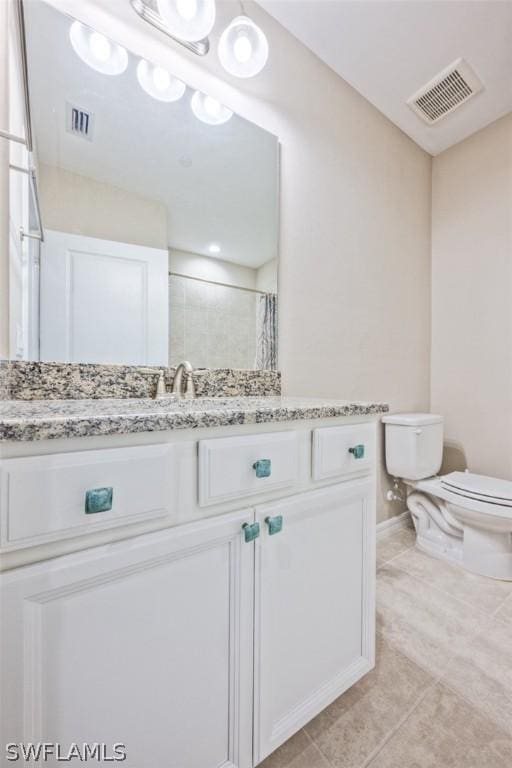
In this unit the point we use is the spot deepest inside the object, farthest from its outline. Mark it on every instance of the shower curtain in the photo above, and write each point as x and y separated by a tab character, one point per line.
266	342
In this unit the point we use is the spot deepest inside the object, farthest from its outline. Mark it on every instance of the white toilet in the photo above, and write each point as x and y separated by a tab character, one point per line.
461	517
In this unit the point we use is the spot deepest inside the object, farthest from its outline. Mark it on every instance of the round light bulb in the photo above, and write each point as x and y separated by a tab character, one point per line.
97	51
158	82
243	48
161	78
212	106
190	20
209	110
100	46
187	9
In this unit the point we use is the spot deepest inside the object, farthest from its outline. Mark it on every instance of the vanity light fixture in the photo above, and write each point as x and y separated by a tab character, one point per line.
190	20
209	110
243	48
158	82
98	51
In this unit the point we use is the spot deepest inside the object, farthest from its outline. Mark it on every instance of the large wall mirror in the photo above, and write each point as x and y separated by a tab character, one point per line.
159	209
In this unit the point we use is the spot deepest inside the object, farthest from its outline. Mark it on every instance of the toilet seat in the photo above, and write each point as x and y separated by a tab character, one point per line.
460	488
479	487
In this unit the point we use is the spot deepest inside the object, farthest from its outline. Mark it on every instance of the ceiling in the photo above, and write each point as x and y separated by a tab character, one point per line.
388	49
219	183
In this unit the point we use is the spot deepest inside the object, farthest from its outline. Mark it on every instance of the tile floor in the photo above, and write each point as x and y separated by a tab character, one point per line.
440	695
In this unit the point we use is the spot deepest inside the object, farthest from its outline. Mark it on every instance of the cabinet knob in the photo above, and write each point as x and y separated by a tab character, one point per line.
98	500
357	451
263	467
275	524
251	531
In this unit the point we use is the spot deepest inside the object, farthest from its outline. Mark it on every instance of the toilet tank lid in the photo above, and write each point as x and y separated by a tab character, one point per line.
412	419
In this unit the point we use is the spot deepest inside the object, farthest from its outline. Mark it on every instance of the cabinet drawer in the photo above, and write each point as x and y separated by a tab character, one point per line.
343	451
235	467
57	496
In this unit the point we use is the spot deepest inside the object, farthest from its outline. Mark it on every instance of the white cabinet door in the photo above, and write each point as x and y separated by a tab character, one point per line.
315	606
146	642
103	301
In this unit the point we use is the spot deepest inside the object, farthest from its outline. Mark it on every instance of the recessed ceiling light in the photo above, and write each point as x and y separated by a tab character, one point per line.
214	248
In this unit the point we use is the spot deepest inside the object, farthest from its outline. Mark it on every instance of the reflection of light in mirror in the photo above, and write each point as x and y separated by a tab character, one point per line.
100	46
243	48
97	51
159	83
161	79
209	110
214	248
190	20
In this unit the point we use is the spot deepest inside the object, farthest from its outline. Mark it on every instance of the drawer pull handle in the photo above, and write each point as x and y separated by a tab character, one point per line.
251	531
98	500
263	467
357	451
275	524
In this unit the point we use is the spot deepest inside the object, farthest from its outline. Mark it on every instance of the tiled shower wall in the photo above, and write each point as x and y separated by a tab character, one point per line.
211	325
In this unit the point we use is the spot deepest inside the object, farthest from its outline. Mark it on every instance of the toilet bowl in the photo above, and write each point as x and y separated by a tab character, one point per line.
461	517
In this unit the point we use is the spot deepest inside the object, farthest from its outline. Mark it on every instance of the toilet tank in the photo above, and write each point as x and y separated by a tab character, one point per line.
414	445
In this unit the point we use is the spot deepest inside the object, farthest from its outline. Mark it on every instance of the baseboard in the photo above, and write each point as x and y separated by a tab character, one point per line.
393	523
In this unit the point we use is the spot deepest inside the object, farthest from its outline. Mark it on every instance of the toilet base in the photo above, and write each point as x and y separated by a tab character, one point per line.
488	553
440	533
451	552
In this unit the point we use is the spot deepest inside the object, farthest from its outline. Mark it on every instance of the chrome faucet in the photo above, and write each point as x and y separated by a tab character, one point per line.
177	384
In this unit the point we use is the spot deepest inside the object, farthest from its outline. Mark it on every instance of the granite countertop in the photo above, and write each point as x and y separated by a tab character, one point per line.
46	419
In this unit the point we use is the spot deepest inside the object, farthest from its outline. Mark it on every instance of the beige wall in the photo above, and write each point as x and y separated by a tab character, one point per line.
185	263
266	277
83	206
217	270
472	299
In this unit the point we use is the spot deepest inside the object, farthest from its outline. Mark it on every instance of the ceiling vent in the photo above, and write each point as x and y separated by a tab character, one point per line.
447	91
79	122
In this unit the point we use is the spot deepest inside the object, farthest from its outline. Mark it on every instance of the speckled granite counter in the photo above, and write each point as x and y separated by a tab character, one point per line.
23	380
47	419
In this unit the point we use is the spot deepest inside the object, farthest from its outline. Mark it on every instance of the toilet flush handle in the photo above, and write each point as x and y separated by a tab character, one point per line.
418	431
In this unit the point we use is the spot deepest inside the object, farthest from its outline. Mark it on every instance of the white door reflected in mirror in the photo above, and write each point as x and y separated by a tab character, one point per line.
103	301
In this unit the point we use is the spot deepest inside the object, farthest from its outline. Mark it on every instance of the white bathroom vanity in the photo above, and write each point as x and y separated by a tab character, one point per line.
192	580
